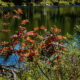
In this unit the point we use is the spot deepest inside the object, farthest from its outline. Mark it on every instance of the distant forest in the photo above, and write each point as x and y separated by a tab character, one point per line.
30	2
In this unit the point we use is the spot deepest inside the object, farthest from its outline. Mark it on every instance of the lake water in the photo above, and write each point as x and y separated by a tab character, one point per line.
64	17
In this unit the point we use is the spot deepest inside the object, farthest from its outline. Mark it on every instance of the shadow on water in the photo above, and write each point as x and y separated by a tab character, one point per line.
64	17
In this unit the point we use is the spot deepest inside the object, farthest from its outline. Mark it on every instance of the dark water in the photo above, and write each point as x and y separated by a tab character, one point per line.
64	17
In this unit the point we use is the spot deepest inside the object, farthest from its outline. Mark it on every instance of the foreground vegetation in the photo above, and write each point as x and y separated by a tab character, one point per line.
46	54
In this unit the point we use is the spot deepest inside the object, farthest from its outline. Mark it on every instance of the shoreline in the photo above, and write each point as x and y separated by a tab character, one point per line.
46	6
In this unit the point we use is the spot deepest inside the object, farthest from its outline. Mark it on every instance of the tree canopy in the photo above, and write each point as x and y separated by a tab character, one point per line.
19	2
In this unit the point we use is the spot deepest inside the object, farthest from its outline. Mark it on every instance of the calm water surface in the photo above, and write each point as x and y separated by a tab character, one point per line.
64	17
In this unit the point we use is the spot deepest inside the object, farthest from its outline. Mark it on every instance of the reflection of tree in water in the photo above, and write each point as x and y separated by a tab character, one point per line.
64	17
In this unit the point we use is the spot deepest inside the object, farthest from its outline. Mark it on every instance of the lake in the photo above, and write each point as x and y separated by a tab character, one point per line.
65	17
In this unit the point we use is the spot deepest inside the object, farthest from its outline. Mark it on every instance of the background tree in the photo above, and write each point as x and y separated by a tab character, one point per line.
16	2
19	2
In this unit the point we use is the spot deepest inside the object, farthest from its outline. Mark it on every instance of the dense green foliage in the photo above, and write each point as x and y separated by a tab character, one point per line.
43	2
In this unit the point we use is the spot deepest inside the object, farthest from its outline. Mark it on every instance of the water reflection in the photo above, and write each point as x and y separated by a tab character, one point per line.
64	17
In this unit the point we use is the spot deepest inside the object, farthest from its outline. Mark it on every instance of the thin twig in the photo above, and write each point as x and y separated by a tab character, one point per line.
43	72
